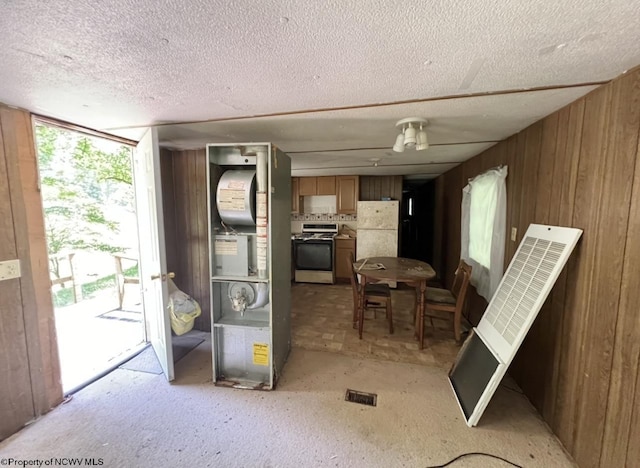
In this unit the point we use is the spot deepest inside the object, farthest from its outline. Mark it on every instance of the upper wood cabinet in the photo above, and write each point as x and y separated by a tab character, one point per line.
307	186
347	189
317	186
326	185
295	195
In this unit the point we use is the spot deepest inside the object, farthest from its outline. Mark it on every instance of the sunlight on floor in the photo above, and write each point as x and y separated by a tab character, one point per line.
94	334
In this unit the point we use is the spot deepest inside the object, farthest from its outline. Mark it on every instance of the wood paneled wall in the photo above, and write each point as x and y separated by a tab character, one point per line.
579	365
30	383
184	189
373	188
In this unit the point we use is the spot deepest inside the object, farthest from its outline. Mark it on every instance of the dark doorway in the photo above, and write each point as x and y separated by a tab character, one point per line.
416	212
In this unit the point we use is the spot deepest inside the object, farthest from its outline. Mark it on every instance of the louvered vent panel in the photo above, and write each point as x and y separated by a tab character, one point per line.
504	300
527	282
523	284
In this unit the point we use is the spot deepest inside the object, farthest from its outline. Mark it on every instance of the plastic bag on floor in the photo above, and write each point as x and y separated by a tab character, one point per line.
183	310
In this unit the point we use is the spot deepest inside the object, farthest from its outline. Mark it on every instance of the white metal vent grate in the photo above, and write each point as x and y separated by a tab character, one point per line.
522	286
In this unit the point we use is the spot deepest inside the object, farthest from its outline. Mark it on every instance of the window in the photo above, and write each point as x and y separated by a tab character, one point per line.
484	203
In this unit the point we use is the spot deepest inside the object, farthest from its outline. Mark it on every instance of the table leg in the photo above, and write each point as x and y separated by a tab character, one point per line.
416	311
361	302
423	290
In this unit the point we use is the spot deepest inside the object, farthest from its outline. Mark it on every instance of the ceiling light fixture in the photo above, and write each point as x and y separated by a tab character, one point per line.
412	134
375	161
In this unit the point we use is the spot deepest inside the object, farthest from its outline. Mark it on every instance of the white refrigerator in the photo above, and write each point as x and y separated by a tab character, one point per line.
378	229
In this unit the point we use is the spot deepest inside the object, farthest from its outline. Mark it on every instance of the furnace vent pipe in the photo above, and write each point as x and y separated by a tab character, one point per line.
262	210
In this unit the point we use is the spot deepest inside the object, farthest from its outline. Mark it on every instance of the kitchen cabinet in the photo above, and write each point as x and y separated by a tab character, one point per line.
307	186
326	185
347	188
295	195
344	247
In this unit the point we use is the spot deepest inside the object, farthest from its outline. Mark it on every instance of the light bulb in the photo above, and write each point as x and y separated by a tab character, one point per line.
422	143
399	146
410	136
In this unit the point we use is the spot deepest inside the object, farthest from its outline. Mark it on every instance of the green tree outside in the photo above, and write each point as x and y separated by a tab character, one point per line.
85	184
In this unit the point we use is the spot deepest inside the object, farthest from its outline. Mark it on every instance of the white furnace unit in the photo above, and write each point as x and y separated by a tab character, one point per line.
249	194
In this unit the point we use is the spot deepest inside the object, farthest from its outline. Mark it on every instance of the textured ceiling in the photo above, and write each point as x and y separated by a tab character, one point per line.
115	64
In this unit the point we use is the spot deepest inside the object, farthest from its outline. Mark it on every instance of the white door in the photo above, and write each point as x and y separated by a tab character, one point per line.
153	264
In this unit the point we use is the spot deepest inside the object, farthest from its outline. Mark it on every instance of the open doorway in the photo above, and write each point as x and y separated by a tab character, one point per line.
92	239
416	211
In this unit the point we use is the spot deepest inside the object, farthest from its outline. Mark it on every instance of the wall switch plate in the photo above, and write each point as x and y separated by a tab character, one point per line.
9	269
514	234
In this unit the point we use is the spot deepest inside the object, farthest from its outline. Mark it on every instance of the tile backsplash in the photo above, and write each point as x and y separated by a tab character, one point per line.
323	217
296	224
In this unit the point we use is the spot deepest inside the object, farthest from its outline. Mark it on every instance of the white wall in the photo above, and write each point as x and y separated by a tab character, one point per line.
318	204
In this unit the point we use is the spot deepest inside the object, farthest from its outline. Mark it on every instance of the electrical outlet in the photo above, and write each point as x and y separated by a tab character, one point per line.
9	269
514	234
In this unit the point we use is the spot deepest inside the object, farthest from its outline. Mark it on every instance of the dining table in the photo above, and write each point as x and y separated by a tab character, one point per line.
409	271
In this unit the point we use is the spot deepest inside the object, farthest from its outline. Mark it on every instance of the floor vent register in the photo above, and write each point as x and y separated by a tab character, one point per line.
354	396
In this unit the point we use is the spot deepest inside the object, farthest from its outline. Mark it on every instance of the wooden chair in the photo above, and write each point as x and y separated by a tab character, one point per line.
444	300
376	296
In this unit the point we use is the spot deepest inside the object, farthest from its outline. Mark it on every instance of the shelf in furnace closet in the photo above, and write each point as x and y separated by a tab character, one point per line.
243	279
239	321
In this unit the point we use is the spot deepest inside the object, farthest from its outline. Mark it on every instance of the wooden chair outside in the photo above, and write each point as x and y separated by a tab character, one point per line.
376	296
444	300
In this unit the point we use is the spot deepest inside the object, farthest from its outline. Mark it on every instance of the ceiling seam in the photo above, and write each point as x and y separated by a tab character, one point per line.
370	105
390	148
379	165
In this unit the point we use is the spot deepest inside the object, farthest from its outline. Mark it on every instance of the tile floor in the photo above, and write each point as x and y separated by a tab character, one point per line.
322	321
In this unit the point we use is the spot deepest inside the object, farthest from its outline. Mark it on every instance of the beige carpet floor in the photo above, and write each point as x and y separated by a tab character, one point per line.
134	419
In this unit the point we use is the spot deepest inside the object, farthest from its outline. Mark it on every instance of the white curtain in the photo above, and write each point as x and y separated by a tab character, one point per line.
484	208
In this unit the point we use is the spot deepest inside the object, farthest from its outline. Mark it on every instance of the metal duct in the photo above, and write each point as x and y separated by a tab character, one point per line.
262	297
